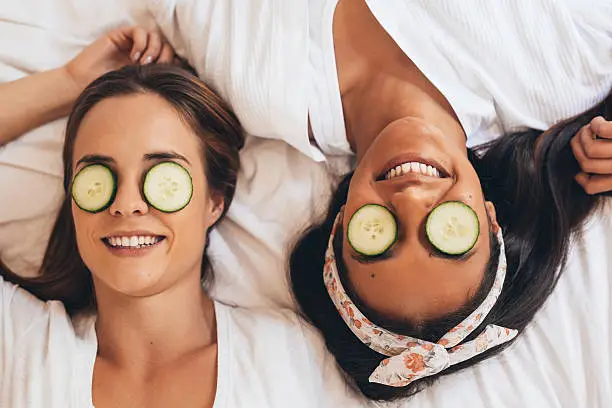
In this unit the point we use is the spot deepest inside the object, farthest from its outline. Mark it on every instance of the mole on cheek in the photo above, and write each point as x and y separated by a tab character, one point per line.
373	275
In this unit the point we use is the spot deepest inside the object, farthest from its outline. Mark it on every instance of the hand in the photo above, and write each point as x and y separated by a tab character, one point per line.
116	49
592	147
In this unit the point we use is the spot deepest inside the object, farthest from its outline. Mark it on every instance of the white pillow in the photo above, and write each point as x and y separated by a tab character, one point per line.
253	52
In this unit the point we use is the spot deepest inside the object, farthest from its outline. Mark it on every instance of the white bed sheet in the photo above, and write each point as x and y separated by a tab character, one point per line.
562	360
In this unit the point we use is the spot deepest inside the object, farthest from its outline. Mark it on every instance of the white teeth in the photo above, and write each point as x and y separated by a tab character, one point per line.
132	242
412	167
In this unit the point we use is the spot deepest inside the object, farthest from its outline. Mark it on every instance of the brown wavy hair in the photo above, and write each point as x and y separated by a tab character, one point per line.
63	274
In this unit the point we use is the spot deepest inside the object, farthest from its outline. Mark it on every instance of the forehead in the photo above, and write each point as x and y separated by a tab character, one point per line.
127	127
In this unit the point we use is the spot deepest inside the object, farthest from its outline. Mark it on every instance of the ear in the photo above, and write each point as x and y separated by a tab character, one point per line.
217	205
492	216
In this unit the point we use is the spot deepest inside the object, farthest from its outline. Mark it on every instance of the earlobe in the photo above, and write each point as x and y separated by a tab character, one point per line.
215	214
490	208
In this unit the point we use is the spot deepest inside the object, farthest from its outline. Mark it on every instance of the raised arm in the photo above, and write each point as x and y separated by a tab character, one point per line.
40	98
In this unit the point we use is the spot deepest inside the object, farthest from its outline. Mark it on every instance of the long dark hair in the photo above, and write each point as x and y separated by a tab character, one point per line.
63	275
529	176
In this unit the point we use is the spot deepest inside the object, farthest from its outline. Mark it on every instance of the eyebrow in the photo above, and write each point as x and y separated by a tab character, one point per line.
456	258
366	260
97	158
166	156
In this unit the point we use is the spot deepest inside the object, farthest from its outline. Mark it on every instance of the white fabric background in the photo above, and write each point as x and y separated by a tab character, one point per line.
562	360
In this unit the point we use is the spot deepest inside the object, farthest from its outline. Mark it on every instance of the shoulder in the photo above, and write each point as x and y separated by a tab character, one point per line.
30	326
20	310
25	319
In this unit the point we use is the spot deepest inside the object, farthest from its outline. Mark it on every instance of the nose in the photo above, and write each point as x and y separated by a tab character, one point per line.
128	201
411	207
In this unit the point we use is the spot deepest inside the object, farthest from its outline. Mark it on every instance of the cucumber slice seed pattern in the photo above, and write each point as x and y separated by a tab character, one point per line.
372	230
168	187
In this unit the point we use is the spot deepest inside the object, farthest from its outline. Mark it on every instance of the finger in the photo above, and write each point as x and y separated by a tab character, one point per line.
593	166
594	148
154	47
167	54
601	127
596	166
594	184
578	151
140	40
122	38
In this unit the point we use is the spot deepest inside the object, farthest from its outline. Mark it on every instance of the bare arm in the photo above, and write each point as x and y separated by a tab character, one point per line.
35	100
40	98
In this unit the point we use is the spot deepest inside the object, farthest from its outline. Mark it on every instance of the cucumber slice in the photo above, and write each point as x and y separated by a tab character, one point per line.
94	188
372	230
453	228
168	187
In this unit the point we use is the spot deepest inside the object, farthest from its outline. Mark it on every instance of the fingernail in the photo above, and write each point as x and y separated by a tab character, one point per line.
136	57
148	60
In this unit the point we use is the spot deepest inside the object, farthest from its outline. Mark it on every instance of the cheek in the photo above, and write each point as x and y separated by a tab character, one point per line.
470	189
85	227
472	195
189	226
360	193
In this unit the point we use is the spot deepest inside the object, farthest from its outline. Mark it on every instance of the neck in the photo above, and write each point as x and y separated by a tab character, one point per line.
155	330
369	109
379	83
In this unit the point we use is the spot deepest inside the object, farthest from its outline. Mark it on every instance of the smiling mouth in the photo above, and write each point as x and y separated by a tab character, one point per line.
133	242
413	167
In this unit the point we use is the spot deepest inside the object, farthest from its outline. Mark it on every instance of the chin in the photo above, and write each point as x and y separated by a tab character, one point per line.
133	282
138	289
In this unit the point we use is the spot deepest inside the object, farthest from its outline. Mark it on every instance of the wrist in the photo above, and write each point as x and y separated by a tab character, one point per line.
70	81
69	87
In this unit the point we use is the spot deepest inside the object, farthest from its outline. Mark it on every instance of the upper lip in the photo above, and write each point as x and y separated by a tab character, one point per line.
412	157
132	234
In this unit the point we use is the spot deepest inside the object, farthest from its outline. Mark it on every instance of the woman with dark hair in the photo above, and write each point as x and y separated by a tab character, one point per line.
118	315
430	312
432	256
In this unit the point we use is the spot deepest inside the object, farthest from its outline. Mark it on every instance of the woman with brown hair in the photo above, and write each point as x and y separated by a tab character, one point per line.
35	100
118	315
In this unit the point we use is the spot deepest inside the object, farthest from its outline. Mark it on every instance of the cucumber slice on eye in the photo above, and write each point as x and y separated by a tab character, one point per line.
94	188
453	228
168	187
372	230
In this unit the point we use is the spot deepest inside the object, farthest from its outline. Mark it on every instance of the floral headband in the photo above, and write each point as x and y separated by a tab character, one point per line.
410	359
